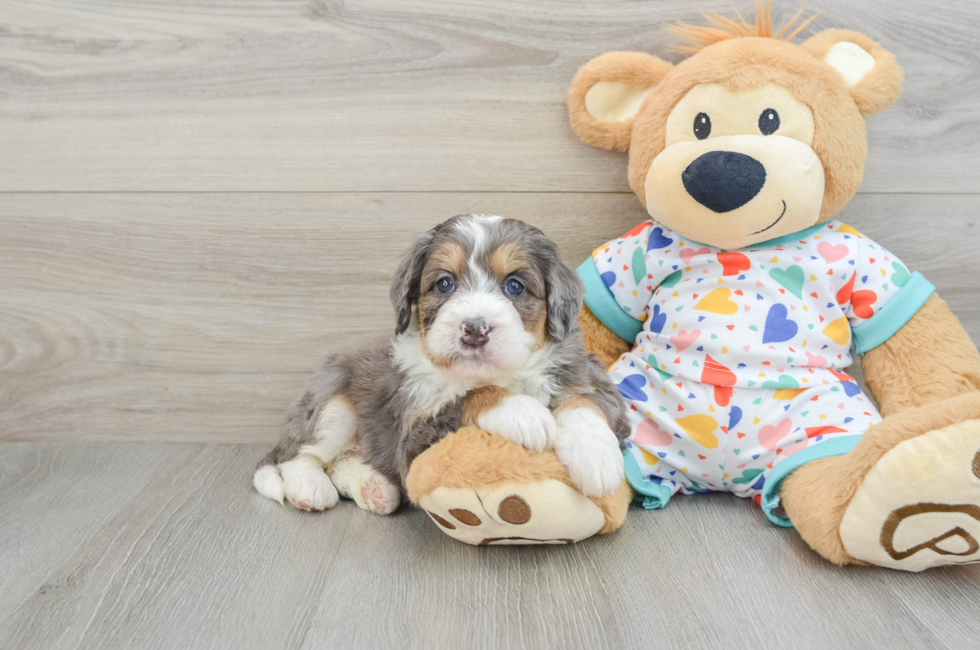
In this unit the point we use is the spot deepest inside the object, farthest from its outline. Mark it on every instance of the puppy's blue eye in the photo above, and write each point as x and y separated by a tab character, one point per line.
445	285
514	287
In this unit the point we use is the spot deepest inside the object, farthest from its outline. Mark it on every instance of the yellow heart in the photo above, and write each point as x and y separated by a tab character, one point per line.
711	409
787	393
839	331
774	259
724	350
848	229
717	302
648	457
699	427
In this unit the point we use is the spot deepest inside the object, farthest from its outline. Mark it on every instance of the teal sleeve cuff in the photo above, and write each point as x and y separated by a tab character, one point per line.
602	303
895	313
770	490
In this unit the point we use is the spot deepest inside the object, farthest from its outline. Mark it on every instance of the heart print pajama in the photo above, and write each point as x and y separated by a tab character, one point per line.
737	374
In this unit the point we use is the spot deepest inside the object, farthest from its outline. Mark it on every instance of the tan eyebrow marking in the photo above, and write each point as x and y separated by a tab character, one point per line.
506	259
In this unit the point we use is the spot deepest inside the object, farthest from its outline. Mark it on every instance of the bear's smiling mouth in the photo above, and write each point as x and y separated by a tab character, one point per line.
781	214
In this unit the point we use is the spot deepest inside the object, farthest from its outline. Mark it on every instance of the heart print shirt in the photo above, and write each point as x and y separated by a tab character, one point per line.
781	314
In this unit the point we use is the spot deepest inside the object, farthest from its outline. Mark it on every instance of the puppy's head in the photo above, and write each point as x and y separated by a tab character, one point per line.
484	293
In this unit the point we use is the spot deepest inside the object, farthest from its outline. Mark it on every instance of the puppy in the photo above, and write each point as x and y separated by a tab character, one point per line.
487	334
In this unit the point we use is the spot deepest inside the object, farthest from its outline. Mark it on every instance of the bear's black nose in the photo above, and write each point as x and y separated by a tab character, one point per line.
724	180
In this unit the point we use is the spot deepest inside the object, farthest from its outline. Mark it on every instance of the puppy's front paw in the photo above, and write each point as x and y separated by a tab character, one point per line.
522	420
307	488
590	451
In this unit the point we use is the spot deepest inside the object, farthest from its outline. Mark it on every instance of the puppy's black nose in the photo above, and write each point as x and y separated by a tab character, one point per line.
475	332
724	180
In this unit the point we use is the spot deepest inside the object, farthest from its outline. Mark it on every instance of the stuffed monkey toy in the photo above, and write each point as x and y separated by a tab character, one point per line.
729	319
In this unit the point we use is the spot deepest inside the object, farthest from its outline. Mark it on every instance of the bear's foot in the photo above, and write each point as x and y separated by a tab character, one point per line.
484	490
542	512
919	506
906	497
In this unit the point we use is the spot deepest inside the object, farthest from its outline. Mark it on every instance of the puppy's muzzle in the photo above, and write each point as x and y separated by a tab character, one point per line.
474	332
723	181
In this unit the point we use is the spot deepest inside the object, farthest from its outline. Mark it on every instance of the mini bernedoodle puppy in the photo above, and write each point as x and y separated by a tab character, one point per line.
487	335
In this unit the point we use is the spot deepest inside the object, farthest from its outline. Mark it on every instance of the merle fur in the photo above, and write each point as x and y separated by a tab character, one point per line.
387	439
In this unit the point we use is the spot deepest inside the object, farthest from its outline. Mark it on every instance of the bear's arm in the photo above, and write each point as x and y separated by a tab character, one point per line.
599	339
931	358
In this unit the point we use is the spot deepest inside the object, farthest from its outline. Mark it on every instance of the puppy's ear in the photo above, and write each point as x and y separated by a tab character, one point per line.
606	95
406	285
565	291
869	70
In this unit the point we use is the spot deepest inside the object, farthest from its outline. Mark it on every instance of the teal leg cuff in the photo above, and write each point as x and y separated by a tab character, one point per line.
770	491
655	495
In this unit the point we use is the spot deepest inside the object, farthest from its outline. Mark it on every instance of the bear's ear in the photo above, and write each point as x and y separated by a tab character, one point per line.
606	95
869	70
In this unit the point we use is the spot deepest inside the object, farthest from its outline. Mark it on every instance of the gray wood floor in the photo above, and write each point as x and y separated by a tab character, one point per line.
198	198
165	546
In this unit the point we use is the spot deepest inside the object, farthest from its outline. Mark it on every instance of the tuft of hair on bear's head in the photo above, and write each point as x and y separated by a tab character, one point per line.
723	29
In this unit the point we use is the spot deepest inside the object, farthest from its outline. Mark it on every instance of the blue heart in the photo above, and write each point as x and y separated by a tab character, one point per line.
609	278
734	417
658	320
657	239
851	388
778	327
758	484
630	388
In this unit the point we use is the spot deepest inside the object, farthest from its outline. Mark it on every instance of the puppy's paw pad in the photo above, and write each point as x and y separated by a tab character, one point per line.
312	491
379	494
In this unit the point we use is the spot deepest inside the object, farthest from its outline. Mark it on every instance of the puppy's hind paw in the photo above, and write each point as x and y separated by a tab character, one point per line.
379	495
309	489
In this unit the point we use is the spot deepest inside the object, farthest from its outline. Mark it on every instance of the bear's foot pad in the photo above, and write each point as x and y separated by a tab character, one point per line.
919	506
539	512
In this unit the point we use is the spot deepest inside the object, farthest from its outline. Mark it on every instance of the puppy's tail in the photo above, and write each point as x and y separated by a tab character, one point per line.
268	481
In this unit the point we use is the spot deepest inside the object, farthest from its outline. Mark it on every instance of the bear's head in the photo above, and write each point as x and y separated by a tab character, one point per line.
749	139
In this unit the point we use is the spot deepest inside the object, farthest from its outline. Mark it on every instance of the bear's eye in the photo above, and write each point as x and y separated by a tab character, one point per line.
702	126
769	121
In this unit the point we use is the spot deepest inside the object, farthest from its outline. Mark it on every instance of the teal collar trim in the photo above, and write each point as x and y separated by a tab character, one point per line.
602	303
791	238
770	490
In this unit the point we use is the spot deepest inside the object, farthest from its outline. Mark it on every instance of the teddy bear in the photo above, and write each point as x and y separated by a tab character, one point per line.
728	320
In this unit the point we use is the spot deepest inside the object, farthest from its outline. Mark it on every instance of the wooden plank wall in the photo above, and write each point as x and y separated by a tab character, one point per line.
198	198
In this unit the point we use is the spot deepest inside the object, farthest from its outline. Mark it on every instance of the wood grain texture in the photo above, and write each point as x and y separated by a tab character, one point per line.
197	317
467	95
166	546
